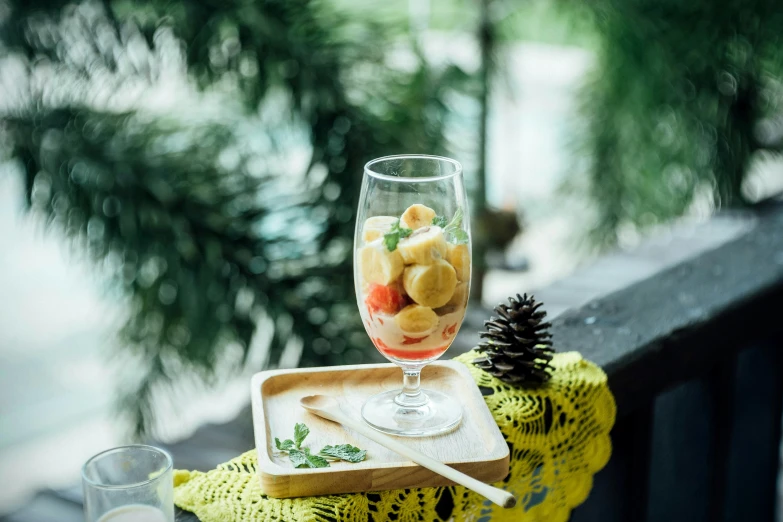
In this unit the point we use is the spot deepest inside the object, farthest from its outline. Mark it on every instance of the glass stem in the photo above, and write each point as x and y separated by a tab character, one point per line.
411	395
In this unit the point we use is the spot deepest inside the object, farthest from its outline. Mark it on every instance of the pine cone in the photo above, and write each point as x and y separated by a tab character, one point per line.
518	348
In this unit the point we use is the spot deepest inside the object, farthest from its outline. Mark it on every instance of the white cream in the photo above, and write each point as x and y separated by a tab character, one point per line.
134	513
382	326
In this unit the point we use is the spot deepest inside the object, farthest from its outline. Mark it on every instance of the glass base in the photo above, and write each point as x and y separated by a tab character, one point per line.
437	414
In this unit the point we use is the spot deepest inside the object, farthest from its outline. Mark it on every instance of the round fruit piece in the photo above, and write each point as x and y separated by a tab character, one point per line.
378	265
430	285
423	247
416	319
460	297
384	299
459	257
417	216
376	227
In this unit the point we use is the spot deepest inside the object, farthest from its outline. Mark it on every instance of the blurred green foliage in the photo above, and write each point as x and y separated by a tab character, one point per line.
219	235
682	98
202	219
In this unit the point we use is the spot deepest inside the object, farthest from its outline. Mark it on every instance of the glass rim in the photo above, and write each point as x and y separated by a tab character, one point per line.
456	164
98	485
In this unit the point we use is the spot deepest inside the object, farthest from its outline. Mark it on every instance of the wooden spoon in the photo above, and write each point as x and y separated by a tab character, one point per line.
328	408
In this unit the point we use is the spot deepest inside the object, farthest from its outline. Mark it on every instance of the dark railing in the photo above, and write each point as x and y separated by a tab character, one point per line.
694	357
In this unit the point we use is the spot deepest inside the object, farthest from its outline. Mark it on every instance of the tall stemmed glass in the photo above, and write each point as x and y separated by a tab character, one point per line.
412	262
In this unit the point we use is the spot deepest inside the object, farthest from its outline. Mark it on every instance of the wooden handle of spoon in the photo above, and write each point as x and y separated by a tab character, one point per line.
496	495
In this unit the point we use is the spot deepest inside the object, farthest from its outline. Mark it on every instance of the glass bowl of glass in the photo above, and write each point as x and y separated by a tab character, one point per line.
412	266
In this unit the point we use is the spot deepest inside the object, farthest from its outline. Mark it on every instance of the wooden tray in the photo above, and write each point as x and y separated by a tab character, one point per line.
476	447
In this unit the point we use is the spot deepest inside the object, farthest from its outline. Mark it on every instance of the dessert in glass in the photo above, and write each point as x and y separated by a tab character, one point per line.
412	262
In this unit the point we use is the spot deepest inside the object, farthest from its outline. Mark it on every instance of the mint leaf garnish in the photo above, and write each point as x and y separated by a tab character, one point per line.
300	432
453	230
459	236
439	221
456	221
303	459
393	236
344	452
286	445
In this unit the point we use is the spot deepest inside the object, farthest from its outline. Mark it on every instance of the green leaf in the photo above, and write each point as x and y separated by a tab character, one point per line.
453	231
344	452
303	459
459	236
456	221
439	221
300	432
286	445
393	236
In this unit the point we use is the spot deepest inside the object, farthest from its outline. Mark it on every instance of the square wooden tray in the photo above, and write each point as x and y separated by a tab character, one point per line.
476	447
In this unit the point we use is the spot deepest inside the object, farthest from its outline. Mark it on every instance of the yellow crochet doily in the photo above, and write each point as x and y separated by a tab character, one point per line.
558	435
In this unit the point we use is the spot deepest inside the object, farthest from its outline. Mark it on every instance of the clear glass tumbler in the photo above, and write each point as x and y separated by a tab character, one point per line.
412	264
129	484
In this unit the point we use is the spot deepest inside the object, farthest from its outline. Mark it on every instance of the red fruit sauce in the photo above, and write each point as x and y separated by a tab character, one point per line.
410	355
449	332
